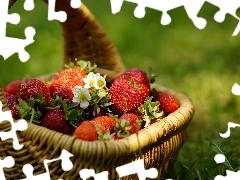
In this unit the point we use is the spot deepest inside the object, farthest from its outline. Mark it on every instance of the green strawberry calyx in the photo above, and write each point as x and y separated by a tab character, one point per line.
150	111
85	66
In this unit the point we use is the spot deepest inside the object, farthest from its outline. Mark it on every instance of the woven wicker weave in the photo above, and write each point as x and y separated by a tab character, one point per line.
85	39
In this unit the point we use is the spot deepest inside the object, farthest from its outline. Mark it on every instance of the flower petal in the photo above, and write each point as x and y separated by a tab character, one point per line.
84	104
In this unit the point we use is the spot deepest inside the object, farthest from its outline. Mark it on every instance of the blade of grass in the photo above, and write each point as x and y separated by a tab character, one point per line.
217	149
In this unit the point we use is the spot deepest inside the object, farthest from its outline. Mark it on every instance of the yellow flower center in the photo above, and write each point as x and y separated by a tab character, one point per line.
91	82
100	83
82	97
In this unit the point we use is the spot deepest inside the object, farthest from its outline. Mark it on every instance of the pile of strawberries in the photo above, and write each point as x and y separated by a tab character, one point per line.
80	103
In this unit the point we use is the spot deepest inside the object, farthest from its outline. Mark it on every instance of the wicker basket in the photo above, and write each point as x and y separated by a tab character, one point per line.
85	39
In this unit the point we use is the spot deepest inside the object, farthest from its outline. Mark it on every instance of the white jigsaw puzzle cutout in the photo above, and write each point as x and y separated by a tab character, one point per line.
66	166
230	175
137	167
9	45
220	158
60	15
19	125
192	9
29	5
7	162
236	89
87	173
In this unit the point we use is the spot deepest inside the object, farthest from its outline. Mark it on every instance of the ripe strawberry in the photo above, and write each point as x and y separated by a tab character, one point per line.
168	103
89	130
104	123
11	101
13	87
64	94
128	124
139	77
115	137
68	79
133	120
34	88
126	95
86	131
54	120
6	94
137	74
145	90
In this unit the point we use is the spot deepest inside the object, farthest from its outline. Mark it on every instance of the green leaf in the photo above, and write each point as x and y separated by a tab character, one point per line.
29	110
183	165
34	115
73	114
31	102
64	106
216	148
72	105
23	108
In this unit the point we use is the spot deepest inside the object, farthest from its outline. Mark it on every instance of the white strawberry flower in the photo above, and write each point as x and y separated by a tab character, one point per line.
81	96
89	80
94	80
100	81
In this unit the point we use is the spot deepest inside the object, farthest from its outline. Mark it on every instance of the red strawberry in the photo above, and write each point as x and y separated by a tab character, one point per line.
6	94
54	120
115	137
11	101
89	130
139	77
133	121
137	74
13	87
145	90
168	103
86	131
34	88
104	123
68	79
126	95
64	94
128	123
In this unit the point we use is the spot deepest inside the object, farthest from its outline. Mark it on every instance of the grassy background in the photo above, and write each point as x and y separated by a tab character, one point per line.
203	64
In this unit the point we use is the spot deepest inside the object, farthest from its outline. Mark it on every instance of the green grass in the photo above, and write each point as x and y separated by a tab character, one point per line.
202	64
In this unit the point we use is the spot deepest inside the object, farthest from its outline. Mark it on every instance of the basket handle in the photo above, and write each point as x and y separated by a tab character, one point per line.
84	38
10	3
3	100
